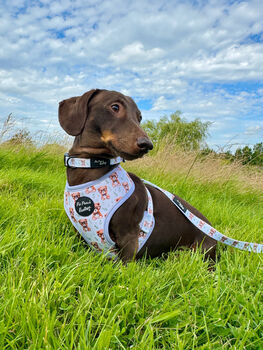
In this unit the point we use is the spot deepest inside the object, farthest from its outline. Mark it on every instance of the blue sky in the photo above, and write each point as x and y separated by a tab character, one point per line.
204	58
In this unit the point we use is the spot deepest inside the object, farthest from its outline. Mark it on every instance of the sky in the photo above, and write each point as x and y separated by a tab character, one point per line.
204	58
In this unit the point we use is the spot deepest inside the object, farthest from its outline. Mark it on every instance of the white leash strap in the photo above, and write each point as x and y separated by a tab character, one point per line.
207	229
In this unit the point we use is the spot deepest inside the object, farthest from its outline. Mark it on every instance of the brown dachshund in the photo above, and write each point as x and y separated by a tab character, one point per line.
106	124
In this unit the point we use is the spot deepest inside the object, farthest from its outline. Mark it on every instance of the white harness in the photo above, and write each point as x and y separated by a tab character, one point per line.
90	207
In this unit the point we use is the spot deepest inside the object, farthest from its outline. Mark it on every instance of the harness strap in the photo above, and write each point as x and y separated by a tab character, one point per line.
92	163
209	230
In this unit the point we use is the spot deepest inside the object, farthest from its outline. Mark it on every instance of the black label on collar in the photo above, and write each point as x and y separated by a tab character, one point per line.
99	162
84	206
179	204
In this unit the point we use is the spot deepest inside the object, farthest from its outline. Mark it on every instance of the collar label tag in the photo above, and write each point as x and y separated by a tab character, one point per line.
98	163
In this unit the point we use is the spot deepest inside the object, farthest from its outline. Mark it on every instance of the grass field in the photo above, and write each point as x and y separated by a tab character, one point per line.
57	294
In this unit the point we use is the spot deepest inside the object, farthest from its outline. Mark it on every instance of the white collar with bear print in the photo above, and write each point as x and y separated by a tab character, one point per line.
90	207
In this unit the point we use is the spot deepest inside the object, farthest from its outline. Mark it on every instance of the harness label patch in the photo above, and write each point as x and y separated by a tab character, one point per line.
84	206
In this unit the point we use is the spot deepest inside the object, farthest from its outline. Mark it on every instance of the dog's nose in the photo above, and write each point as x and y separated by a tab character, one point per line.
144	143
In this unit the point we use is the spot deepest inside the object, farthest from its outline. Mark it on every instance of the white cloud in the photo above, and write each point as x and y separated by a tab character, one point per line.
252	130
136	53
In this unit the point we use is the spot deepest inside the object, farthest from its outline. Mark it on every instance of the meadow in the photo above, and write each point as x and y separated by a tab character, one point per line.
55	293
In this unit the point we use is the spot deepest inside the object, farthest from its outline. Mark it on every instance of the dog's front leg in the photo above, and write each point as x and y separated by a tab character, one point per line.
128	245
124	225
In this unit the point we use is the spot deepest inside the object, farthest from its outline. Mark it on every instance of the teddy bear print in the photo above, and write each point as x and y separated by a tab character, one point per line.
103	190
147	224
142	234
126	186
83	162
101	235
212	232
91	189
84	224
75	196
114	179
96	213
66	197
223	239
71	211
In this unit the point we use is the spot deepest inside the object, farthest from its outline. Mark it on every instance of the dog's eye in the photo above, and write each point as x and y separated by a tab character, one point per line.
140	118
115	107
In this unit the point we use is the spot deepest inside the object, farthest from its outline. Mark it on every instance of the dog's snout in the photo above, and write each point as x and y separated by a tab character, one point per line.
144	143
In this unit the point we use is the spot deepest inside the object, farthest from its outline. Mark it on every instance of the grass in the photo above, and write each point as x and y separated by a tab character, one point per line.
57	294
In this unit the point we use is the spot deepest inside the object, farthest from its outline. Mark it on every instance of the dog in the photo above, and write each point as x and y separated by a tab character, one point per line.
106	124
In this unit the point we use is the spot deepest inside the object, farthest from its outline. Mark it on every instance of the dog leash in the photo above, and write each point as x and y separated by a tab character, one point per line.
207	229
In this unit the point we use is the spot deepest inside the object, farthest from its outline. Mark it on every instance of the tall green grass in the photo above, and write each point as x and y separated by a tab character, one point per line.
55	293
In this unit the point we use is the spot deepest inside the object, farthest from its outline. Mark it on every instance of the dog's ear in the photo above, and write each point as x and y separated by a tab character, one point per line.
73	112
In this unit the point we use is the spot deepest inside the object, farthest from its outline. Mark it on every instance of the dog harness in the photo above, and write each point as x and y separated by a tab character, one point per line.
90	207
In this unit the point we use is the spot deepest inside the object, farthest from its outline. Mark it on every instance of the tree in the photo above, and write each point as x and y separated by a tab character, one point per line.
177	131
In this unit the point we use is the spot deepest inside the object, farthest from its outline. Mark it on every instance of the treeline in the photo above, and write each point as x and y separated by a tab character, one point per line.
175	131
168	132
248	155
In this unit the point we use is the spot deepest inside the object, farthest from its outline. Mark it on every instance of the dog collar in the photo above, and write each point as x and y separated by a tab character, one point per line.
92	163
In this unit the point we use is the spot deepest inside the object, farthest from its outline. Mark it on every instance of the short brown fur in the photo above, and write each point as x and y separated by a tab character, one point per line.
101	130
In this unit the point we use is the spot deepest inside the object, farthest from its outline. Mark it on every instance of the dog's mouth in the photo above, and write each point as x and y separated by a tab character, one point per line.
129	156
126	155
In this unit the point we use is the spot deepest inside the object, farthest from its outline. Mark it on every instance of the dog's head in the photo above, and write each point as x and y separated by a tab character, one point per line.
106	123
